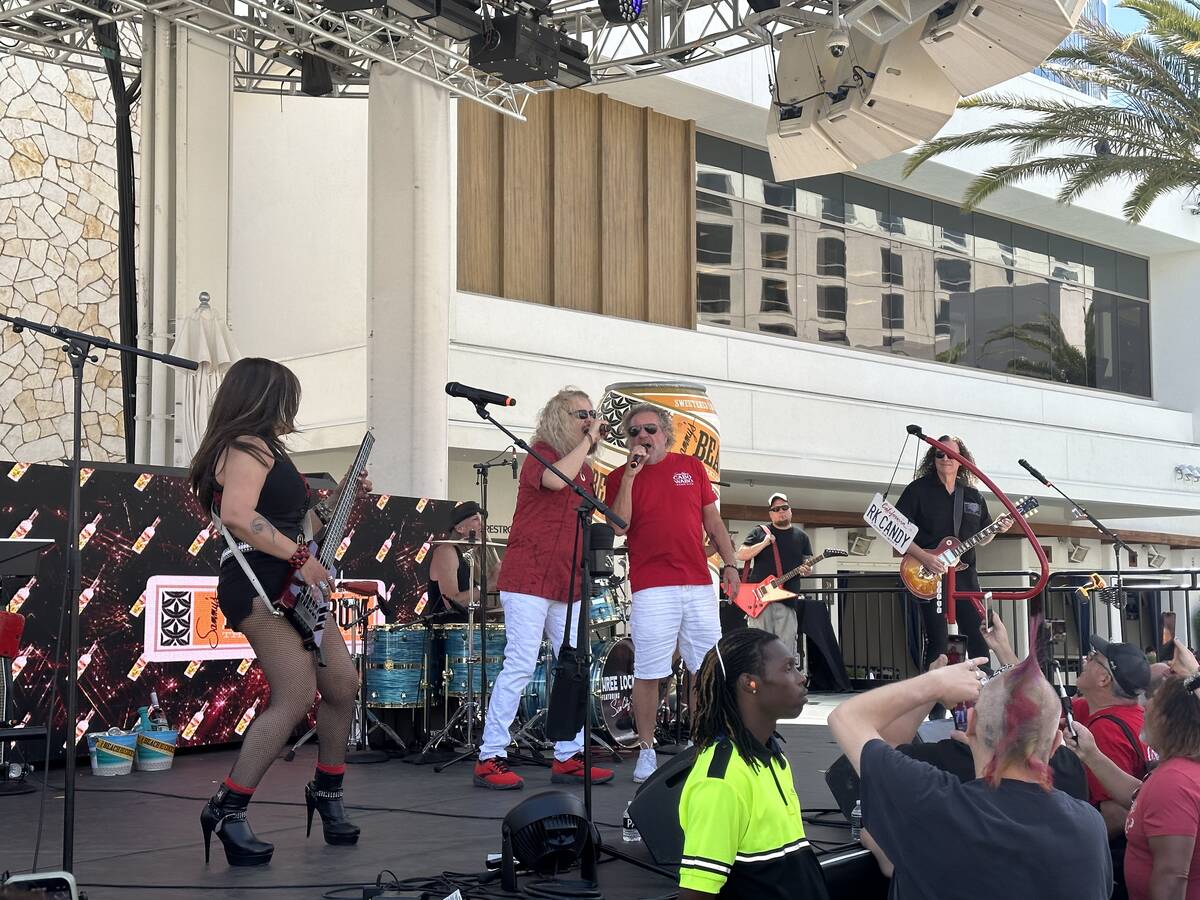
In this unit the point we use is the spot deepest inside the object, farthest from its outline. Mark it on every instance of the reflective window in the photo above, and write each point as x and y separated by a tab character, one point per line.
842	260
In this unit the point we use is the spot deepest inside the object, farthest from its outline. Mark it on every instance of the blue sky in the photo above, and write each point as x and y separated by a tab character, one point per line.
1124	20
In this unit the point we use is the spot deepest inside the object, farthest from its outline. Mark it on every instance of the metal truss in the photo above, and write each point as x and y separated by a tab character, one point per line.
270	37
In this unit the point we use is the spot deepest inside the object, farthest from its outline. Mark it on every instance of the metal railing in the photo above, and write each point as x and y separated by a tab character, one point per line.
881	632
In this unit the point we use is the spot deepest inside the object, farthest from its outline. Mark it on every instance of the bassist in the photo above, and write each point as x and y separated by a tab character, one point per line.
787	618
930	503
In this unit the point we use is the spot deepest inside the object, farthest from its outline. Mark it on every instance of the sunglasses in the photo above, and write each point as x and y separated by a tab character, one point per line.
582	414
635	430
939	454
783	508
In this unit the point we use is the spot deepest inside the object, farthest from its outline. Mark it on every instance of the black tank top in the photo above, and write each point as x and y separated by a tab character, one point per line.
436	603
283	501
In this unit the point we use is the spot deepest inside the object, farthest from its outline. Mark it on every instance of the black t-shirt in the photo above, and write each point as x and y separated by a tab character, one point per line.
794	547
955	757
954	840
928	504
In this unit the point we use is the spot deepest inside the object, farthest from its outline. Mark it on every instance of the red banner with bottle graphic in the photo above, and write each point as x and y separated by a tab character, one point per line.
149	619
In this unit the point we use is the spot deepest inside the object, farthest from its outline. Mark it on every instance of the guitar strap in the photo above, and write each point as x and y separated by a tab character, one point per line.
959	499
237	554
778	561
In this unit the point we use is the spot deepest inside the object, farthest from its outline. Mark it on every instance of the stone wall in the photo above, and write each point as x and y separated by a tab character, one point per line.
58	256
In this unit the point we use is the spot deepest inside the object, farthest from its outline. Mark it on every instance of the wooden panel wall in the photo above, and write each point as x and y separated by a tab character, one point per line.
587	205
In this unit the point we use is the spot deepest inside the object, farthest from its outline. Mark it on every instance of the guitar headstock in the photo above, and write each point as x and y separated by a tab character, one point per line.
1026	506
830	554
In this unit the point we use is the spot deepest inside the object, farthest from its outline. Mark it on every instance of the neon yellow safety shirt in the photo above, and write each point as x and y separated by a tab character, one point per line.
743	833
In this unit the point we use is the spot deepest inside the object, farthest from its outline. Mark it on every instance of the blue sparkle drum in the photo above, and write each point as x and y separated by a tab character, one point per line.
605	612
454	641
397	661
536	695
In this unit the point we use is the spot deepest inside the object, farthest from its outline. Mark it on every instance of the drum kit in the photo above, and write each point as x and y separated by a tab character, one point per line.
436	670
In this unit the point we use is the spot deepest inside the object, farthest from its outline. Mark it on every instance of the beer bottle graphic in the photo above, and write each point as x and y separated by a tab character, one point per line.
18	470
244	666
81	726
201	540
21	661
386	548
88	593
19	598
382	501
246	719
85	659
344	545
192	668
24	528
146	536
84	474
143	480
189	730
138	605
88	530
138	667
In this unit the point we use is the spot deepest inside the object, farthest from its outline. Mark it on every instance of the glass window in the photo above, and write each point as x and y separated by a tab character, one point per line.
866	205
1133	276
1099	267
1133	346
714	243
1066	258
864	287
910	216
831	254
1068	306
822	197
831	302
1031	249
893	311
718	165
774	296
707	203
993	326
1101	342
993	240
713	294
775	250
952	229
1036	339
892	265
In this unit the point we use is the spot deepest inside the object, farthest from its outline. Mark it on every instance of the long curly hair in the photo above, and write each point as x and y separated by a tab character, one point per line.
555	424
717	715
665	421
926	466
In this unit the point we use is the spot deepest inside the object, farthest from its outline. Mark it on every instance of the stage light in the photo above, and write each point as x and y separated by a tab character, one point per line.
548	834
316	75
518	49
456	19
622	12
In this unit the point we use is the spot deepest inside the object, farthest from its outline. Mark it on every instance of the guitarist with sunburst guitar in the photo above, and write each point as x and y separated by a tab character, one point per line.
943	502
778	555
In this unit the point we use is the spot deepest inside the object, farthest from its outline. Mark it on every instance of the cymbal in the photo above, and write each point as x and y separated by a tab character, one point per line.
461	543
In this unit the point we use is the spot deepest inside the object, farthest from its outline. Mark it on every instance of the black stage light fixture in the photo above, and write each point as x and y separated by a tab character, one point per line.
547	834
518	49
763	5
316	75
345	6
624	12
457	19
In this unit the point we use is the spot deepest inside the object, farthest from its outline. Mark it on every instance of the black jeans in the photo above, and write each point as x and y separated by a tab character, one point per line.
969	622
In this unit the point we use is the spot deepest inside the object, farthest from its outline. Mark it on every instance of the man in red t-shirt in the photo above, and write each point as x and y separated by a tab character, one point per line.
669	505
538	587
1110	683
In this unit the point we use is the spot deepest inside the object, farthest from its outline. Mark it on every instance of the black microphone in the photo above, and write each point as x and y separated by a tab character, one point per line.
477	395
1034	472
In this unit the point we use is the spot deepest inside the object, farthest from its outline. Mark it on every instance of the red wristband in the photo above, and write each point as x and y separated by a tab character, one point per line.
300	557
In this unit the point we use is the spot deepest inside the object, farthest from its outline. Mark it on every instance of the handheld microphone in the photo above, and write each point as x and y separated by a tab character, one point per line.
478	395
637	458
1032	471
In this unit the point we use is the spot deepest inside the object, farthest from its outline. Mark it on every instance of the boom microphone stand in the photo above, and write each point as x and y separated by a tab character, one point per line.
78	347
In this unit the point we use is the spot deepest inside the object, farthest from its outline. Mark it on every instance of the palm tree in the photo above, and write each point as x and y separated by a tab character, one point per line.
1149	134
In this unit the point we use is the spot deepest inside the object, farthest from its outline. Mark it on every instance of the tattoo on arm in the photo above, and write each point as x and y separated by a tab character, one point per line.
259	525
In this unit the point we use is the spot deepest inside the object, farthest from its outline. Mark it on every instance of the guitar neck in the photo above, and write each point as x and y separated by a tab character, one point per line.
335	530
788	576
983	535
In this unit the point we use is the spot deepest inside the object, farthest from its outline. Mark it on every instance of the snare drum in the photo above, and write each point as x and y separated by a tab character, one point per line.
455	641
605	612
397	656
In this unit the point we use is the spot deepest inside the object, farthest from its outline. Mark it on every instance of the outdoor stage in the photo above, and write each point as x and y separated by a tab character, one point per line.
139	835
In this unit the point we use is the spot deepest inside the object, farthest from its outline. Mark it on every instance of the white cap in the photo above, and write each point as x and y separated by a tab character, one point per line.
777	496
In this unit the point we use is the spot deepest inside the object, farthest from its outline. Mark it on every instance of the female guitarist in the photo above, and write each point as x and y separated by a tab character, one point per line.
929	502
242	470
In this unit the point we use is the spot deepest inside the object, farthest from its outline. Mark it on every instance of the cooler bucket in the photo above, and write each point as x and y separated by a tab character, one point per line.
112	753
155	750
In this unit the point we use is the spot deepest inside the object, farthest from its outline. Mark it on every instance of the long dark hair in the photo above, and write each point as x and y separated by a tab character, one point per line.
926	466
717	714
258	398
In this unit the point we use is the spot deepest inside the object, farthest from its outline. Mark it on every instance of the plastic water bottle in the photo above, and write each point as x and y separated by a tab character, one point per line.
629	832
856	821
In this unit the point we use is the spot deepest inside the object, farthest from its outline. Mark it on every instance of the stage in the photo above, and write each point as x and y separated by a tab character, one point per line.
139	835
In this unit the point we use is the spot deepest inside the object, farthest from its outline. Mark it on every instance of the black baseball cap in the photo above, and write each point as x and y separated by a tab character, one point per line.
1129	666
464	511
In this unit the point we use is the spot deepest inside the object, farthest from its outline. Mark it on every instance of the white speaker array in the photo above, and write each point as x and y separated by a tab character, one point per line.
897	84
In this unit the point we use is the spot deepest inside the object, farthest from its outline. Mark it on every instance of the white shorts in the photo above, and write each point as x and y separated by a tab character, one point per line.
686	616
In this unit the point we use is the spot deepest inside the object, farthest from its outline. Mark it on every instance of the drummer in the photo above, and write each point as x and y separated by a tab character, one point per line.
450	588
536	586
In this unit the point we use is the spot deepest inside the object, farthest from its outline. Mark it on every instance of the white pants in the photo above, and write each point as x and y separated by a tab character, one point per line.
526	619
663	617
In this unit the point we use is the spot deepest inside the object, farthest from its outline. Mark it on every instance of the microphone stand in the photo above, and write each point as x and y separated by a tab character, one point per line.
78	346
1118	544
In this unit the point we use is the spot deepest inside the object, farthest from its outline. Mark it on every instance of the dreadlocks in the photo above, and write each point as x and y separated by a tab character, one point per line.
717	714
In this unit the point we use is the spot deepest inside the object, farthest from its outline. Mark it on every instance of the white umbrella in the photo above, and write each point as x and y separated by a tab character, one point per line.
204	337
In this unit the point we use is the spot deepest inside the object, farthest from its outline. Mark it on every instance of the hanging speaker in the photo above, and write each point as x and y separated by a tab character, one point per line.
909	91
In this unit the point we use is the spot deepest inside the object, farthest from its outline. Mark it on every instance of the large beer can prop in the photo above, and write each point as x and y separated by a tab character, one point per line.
693	417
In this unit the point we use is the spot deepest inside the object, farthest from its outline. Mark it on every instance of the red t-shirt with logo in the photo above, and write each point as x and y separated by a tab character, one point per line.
544	534
666	527
1168	804
1112	741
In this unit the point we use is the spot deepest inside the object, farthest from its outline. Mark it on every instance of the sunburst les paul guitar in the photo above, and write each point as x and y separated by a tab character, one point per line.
924	584
753	598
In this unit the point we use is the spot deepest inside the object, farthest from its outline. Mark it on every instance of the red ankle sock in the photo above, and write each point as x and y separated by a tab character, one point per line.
237	788
331	770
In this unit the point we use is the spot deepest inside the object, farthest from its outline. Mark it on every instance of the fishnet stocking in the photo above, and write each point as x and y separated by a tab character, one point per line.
294	677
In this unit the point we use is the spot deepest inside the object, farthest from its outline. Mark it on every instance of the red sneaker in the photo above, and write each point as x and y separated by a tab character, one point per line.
571	772
495	774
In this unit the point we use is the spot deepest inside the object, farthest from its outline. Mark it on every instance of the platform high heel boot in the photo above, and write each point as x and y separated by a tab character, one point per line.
324	795
226	815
